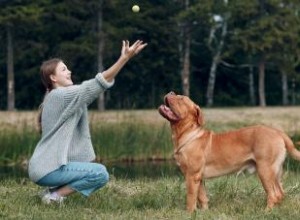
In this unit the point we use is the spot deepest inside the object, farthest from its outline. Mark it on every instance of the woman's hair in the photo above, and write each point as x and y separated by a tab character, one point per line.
46	70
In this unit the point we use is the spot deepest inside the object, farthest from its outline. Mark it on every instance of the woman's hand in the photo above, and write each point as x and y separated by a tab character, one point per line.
130	51
127	53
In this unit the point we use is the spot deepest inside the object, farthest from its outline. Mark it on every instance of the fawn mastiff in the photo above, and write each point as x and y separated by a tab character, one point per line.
202	154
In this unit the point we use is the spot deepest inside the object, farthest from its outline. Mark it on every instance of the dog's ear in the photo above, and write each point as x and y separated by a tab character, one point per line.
200	117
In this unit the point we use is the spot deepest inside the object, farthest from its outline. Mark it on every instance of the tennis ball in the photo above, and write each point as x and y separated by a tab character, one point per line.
135	8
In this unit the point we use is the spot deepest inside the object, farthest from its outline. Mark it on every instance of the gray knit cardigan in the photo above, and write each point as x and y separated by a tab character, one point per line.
65	128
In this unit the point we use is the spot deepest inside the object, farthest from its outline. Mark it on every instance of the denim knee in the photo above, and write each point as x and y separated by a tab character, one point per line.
102	176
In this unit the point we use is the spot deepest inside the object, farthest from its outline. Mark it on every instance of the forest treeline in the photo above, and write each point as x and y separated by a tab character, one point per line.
218	52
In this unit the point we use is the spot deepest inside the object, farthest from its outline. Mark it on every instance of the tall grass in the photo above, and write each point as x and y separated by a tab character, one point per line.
17	144
131	140
127	139
124	141
138	135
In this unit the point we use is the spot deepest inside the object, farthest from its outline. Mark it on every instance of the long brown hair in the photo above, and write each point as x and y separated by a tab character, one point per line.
46	70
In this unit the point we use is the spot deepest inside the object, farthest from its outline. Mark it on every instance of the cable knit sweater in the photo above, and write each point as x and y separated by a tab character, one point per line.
65	128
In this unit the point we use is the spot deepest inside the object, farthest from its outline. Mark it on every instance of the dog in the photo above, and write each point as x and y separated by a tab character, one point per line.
202	154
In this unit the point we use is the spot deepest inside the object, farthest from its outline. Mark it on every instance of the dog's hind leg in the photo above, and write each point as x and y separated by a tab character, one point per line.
279	192
202	197
278	170
269	180
279	189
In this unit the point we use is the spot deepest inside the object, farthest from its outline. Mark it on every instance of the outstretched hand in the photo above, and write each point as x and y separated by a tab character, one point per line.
130	51
127	53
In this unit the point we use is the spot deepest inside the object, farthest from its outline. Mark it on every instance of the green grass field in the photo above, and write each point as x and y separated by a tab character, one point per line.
140	135
230	197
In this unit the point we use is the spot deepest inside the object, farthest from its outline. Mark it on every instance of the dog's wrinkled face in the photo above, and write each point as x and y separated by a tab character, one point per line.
178	108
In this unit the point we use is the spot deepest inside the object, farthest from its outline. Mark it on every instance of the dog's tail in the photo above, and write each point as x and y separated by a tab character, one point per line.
290	147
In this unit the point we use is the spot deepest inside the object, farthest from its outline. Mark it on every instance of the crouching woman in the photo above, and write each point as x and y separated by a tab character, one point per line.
62	159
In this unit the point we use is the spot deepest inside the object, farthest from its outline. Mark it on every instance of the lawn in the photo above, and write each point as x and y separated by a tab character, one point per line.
231	197
144	135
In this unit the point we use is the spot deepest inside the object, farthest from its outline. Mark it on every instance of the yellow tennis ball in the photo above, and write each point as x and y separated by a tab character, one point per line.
135	8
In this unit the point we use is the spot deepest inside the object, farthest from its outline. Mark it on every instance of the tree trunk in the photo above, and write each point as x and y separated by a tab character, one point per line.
261	83
10	72
251	86
101	99
211	82
184	51
215	63
285	93
185	75
293	92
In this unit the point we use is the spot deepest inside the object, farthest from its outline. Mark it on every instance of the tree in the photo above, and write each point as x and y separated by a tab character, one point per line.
263	32
287	58
220	23
184	45
192	18
10	71
149	76
180	56
101	43
14	17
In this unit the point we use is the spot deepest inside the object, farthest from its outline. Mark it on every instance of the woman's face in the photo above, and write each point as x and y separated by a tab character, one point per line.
62	76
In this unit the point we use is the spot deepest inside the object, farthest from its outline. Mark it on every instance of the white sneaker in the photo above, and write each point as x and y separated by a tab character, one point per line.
49	198
44	192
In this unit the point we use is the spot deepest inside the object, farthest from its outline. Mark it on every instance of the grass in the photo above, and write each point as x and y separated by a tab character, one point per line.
116	136
131	140
141	135
230	197
136	135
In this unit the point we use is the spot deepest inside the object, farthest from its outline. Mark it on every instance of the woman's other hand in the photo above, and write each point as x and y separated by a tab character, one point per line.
130	51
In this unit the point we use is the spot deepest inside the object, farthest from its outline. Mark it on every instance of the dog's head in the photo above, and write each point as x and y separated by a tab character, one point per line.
178	108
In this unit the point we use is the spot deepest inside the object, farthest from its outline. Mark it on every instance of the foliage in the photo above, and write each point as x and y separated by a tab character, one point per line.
68	29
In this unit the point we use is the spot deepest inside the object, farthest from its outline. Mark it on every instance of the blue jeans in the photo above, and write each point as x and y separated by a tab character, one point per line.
83	177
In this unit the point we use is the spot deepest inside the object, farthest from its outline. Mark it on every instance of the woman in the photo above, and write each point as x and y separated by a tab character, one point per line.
62	158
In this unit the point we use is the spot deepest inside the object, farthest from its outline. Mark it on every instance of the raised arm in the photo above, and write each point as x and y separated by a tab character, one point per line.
127	53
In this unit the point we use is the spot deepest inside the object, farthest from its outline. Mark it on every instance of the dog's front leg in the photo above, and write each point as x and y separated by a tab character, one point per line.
202	197
192	185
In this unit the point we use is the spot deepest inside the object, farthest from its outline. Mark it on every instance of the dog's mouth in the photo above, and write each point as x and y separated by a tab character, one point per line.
166	110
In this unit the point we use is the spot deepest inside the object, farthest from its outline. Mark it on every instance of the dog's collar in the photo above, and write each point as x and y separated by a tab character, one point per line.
190	138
